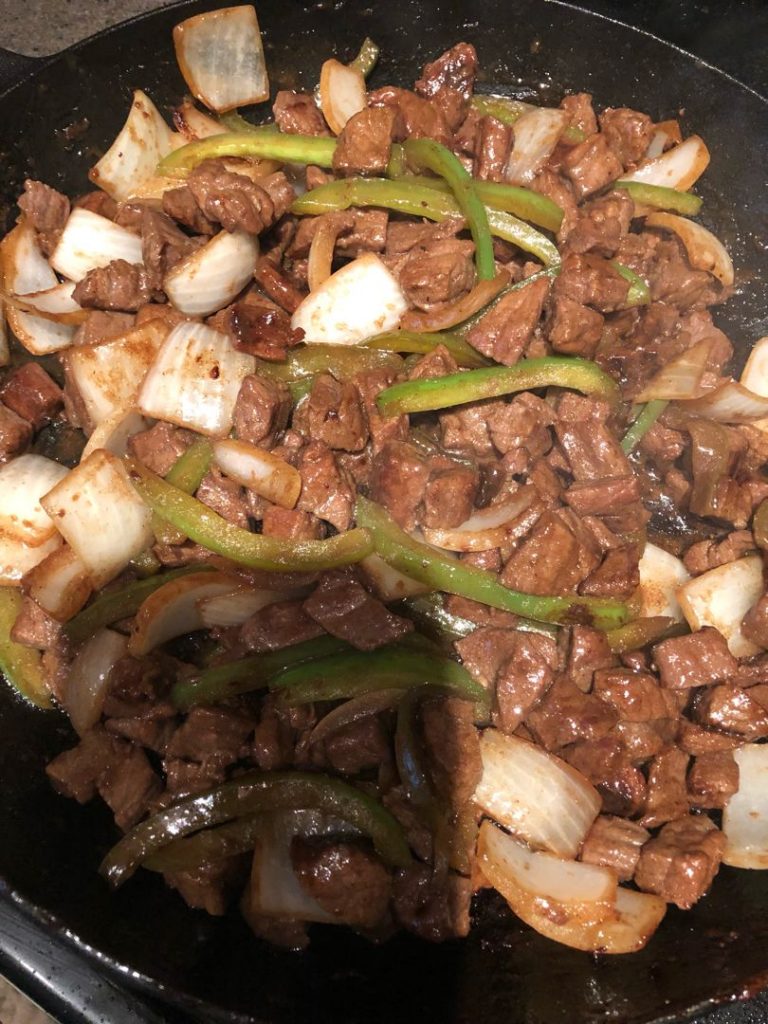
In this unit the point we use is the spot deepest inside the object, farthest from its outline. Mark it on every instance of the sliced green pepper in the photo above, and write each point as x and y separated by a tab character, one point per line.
661	198
235	122
354	673
645	419
187	474
639	293
207	847
120	604
250	794
426	342
22	666
508	110
426	153
255	551
441	572
365	61
343	361
642	632
267	145
251	673
523	202
474	385
403	196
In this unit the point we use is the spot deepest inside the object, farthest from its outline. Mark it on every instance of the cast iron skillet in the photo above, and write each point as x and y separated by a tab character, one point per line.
50	847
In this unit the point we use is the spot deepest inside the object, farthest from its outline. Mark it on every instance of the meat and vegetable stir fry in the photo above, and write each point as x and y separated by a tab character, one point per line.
380	509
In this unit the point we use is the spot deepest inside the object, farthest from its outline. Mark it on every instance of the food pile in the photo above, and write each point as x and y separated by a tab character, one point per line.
376	501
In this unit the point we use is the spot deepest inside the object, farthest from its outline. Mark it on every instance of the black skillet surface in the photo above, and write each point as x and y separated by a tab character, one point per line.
50	847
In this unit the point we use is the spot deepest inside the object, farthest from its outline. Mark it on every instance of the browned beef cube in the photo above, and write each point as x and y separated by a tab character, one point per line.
416	118
347	880
151	733
754	625
667	792
261	410
627	132
493	144
565	715
15	434
159	447
211	887
680	863
602	224
278	625
573	328
332	413
215	735
506	329
523	678
129	785
709	554
398	481
618	575
434	907
290	524
273	738
34	627
485	650
326	490
696	740
225	496
296	113
452	746
615	843
608	765
589	650
636	696
731	709
592	281
598	497
713	778
591	165
365	142
449	81
383	429
32	394
551	559
466	429
185	778
440	272
357	746
449	495
592	451
76	772
344	608
695	660
437	363
580	111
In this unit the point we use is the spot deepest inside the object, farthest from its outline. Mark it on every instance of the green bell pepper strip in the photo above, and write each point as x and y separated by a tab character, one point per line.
355	673
661	197
234	121
426	153
120	604
250	794
365	61
22	666
267	145
343	361
642	632
424	343
647	416
639	293
508	110
423	563
523	202
207	847
491	382
187	474
403	196
252	550
431	616
145	564
251	673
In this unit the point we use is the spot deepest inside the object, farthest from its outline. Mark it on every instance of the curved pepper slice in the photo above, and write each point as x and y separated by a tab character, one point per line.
647	416
661	197
187	474
208	846
254	793
252	550
21	666
473	385
422	562
365	61
251	673
267	145
354	673
419	201
433	156
639	294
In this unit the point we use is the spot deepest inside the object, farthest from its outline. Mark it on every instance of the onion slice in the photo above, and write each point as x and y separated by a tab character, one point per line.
195	380
173	610
745	818
387	583
342	93
23	482
538	796
731	402
722	597
535	884
486	528
705	251
320	262
54	304
100	515
140	145
234	607
212	276
537	133
362	299
89	241
194	124
679	168
113	432
681	377
18	558
353	710
23	268
39	335
60	584
89	676
108	375
259	470
661	576
221	57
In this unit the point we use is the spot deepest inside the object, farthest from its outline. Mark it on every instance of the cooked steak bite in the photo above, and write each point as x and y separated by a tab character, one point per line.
296	114
344	608
32	394
506	329
698	659
365	142
347	880
615	843
681	861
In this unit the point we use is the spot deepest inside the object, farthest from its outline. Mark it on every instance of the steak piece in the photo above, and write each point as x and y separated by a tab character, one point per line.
449	82
713	779
698	659
505	331
345	609
565	715
450	494
32	394
290	524
552	559
357	746
278	625
261	410
452	746
215	736
627	132
732	709
591	165
602	497
588	651
493	144
522	679
46	210
129	785
709	554
398	481
636	696
296	113
181	205
225	496
681	861
159	447
332	413
347	881
602	224
416	118
326	489
608	765
163	245
578	107
438	273
120	286
211	887
365	142
667	792
236	201
615	843
432	907
34	627
15	434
